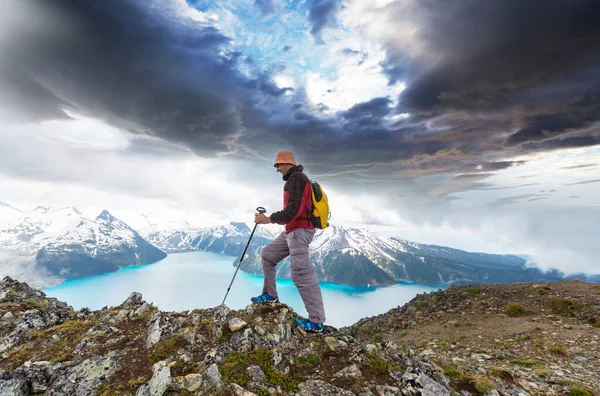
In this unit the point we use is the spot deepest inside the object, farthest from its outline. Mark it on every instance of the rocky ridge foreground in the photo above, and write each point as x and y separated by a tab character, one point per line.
517	340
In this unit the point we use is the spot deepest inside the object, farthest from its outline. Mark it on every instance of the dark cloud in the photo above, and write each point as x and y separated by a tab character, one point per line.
367	114
265	6
135	67
321	14
287	48
534	68
491	80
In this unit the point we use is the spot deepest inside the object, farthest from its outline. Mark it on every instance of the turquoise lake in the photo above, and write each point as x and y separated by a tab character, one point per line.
185	281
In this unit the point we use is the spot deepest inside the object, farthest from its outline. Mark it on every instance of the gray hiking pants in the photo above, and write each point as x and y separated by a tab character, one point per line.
295	244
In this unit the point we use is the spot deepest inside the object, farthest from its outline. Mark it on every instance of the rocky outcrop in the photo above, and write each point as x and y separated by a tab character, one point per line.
135	349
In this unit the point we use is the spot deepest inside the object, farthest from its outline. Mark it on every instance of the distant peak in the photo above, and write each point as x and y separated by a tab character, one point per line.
41	209
76	210
105	215
4	204
240	226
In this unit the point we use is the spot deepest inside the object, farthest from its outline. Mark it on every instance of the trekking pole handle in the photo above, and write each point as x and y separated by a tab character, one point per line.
260	209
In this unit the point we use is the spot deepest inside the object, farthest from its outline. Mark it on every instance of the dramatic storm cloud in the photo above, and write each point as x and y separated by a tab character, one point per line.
461	123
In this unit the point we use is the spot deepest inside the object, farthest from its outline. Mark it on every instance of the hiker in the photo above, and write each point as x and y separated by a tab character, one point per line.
299	232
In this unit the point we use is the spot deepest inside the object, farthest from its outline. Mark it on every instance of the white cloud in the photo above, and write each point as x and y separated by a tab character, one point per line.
350	70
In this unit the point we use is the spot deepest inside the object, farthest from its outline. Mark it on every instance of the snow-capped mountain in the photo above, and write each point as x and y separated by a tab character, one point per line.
227	239
96	246
58	243
27	232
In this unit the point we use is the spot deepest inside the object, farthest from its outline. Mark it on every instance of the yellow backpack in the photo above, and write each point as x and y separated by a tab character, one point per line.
320	213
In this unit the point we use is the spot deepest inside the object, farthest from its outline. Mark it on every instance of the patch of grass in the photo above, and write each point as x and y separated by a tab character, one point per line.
311	359
536	290
576	391
538	343
108	390
496	373
403	334
32	304
12	293
474	290
377	337
514	310
234	369
558	349
565	306
381	366
523	337
164	349
440	345
453	373
483	384
68	328
366	331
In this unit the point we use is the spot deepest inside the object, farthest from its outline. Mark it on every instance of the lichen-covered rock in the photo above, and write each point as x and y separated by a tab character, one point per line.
208	350
135	299
211	379
14	387
159	383
161	326
85	377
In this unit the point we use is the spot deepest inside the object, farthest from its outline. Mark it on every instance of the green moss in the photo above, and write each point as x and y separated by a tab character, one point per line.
164	349
68	329
558	349
565	306
234	369
474	290
377	337
32	304
453	373
311	359
12	293
576	391
381	366
514	309
483	384
366	331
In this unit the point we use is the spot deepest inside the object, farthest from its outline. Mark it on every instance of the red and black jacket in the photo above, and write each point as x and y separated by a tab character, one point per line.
297	201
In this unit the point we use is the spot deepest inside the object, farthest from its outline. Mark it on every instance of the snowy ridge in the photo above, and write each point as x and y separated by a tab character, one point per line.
104	234
96	246
27	232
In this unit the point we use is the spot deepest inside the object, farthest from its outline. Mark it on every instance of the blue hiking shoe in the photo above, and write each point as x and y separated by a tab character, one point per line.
264	298
308	326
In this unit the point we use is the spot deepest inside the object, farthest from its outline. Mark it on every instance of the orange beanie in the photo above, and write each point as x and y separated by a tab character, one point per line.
285	157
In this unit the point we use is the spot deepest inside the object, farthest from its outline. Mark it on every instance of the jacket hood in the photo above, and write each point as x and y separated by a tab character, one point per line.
297	168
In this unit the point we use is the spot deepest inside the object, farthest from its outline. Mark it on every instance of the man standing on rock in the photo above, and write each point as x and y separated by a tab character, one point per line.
299	232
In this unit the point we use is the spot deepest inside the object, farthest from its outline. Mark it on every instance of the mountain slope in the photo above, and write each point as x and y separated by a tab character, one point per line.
96	246
27	232
459	341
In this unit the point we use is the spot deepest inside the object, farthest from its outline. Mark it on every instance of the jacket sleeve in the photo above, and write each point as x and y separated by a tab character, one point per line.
294	206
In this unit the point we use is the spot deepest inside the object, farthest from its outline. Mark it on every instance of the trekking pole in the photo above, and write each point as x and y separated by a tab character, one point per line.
260	209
